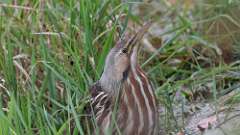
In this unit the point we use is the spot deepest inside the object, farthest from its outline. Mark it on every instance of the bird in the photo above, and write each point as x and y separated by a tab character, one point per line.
123	100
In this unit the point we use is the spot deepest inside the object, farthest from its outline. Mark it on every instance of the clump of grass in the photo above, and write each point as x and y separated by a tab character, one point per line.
48	60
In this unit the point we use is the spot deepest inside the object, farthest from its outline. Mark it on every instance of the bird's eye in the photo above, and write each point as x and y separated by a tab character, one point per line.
124	50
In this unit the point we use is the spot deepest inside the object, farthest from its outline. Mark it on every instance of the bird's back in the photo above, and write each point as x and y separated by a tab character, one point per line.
135	113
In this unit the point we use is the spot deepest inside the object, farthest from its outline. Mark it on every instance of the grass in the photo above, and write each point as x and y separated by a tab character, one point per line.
51	52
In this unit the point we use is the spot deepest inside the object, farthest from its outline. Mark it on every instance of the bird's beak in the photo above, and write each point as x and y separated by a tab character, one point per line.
135	40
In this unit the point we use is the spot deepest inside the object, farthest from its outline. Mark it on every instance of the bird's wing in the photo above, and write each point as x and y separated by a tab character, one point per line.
100	99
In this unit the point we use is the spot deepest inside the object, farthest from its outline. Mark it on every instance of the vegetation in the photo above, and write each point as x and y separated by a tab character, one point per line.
51	51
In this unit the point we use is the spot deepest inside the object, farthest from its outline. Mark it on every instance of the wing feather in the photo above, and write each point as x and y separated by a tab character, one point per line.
100	99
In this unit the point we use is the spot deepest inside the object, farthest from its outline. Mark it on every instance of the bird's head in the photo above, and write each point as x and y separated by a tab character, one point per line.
119	59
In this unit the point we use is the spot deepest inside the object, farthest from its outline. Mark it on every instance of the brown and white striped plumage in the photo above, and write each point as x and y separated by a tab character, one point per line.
123	99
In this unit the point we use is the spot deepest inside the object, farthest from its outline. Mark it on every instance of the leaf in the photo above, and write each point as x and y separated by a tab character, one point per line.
206	123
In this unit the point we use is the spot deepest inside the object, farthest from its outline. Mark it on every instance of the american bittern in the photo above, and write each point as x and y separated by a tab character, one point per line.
123	99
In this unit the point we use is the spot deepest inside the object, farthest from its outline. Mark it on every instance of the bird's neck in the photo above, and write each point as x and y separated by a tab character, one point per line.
110	85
